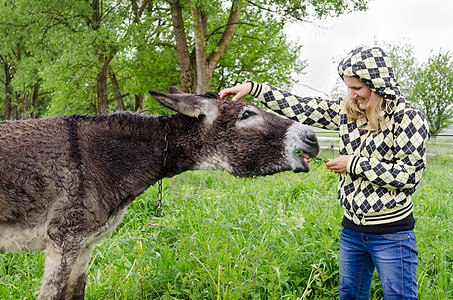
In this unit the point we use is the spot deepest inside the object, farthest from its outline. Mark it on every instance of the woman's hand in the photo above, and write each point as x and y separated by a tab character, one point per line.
239	90
306	158
339	164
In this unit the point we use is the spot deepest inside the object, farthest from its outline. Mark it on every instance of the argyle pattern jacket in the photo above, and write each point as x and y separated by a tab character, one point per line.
385	166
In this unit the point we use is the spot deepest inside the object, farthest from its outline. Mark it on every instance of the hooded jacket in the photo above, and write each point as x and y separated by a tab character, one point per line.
385	166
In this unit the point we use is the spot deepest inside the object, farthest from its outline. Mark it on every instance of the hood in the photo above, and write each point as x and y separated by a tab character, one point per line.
372	66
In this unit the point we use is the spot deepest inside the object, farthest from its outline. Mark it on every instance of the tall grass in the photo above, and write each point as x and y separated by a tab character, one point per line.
221	237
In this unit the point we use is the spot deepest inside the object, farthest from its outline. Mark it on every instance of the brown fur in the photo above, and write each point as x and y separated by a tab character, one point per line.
66	181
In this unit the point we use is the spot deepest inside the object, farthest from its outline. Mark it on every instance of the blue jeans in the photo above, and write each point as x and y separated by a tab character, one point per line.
393	255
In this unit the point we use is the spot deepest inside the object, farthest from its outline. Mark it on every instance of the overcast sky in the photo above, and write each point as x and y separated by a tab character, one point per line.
425	24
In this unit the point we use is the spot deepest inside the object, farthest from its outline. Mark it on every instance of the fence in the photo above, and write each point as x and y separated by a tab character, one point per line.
440	143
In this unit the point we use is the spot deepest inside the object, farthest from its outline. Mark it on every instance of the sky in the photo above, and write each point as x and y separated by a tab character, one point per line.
427	25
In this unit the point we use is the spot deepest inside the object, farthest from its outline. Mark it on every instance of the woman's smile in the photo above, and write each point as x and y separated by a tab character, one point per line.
358	91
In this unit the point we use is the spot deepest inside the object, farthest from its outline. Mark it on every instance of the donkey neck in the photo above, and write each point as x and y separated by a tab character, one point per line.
182	138
120	156
133	146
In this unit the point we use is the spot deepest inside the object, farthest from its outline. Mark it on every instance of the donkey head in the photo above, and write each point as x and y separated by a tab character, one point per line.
241	138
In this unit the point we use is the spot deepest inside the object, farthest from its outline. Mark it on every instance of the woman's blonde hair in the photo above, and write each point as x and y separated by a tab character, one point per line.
374	112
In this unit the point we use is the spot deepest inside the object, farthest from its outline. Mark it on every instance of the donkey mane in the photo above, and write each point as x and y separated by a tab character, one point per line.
120	118
210	95
125	122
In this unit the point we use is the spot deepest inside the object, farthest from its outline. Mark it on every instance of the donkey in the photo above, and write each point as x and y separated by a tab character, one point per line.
67	181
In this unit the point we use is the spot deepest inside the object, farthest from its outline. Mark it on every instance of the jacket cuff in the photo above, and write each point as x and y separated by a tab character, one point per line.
256	89
353	165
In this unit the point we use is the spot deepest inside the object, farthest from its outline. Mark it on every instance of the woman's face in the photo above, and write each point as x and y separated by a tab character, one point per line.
358	91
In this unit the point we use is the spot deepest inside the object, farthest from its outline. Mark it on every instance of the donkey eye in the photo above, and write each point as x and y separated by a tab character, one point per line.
246	114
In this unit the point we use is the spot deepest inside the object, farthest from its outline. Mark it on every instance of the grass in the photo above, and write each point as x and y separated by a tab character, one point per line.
220	237
440	145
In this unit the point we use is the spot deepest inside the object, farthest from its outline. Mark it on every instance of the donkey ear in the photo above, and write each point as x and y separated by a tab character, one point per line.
189	105
173	90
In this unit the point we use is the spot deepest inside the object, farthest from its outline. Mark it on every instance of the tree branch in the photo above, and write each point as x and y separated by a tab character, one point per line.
182	48
117	97
200	41
242	69
284	12
219	28
226	38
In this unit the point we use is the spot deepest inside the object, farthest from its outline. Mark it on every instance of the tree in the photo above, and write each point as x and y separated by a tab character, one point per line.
433	91
91	56
404	63
18	57
92	34
213	32
428	85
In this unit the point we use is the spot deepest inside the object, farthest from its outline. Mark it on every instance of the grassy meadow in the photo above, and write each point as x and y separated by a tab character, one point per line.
221	237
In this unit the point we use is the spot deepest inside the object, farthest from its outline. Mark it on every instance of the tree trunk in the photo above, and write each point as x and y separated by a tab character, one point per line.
8	78
35	99
103	101
18	112
200	24
186	65
139	101
103	105
96	17
103	59
25	107
224	42
116	90
138	11
197	70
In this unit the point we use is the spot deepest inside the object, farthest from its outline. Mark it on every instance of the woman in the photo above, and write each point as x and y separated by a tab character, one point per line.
382	158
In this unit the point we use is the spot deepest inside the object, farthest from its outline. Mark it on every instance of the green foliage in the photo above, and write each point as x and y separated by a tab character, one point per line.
229	242
302	9
433	91
404	64
274	237
259	52
435	237
428	85
57	54
20	58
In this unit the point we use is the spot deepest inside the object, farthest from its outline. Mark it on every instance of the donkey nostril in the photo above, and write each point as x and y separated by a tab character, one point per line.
311	142
311	137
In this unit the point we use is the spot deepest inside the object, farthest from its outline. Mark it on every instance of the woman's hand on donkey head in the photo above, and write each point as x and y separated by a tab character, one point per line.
239	90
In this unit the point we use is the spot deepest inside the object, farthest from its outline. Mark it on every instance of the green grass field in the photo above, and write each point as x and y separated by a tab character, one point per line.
220	237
